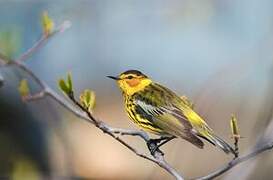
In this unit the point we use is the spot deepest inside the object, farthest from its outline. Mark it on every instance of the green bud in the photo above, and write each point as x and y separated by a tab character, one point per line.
88	99
63	86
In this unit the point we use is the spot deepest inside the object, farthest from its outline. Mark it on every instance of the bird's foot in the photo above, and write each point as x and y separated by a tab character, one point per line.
153	146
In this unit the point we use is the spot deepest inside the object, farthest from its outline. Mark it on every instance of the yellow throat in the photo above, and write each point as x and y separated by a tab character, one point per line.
131	81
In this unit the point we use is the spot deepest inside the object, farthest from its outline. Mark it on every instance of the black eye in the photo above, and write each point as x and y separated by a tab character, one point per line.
130	77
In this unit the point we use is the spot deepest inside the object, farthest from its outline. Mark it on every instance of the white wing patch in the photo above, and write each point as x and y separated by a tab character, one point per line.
149	109
172	110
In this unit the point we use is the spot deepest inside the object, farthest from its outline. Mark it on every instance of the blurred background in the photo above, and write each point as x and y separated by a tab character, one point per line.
216	52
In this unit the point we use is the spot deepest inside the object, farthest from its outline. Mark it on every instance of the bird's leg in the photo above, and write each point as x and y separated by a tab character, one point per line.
154	144
167	139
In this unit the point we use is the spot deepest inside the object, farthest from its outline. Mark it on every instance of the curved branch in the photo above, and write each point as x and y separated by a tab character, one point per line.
45	37
237	161
81	112
158	158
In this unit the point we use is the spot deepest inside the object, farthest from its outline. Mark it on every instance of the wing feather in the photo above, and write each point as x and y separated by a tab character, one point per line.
171	120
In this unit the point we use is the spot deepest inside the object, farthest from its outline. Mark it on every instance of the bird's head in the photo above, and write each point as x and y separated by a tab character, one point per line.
132	81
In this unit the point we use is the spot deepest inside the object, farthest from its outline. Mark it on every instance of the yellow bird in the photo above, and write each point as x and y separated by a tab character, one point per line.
158	110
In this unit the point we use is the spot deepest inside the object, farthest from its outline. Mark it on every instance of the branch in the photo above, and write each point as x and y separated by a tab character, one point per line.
81	112
158	158
84	114
45	37
237	161
123	132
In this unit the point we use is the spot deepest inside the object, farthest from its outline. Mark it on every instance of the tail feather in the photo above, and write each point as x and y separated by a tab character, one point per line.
194	140
223	145
215	140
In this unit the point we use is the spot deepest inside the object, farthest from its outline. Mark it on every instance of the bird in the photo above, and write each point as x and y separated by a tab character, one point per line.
160	111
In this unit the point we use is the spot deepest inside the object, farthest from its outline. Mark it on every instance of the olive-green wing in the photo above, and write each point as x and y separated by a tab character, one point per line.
182	108
176	117
169	119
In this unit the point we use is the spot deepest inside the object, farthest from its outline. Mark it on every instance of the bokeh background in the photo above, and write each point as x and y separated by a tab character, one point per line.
216	52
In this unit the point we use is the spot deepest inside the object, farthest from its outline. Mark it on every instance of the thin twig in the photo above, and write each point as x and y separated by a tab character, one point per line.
23	67
33	49
44	38
237	161
236	147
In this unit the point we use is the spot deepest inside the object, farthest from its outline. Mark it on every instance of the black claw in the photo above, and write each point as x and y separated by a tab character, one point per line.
153	146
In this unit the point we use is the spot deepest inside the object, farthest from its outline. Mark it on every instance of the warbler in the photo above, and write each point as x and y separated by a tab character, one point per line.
158	110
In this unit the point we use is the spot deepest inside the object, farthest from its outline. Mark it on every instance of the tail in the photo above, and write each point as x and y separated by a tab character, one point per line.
216	141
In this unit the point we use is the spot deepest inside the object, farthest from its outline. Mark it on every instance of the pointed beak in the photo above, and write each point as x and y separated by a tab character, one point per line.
115	78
